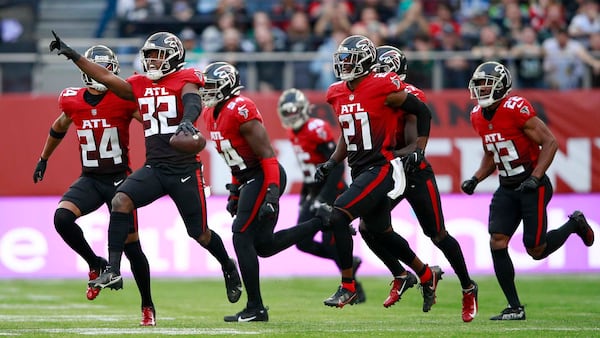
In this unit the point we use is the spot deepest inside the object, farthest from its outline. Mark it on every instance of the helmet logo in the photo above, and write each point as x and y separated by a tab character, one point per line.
225	72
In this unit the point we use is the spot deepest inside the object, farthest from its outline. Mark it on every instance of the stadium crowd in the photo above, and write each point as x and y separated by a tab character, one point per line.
547	43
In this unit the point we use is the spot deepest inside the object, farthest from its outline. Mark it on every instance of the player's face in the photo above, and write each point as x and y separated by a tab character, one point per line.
484	88
153	59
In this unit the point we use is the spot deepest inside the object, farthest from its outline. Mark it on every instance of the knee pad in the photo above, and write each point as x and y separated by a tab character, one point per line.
338	219
64	220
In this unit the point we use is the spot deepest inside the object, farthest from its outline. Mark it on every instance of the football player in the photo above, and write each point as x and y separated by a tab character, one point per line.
104	165
257	181
518	144
313	142
367	105
423	196
168	100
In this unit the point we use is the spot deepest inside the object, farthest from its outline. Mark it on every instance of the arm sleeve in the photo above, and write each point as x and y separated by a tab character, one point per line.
413	105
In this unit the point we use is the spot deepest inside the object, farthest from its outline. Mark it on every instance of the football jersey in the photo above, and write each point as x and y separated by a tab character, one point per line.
102	130
515	154
368	125
400	139
305	142
224	131
161	108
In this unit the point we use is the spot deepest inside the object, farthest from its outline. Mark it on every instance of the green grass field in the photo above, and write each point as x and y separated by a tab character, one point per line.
556	305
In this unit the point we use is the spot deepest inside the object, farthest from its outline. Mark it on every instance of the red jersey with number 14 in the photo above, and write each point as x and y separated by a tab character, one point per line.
225	132
515	154
102	130
368	125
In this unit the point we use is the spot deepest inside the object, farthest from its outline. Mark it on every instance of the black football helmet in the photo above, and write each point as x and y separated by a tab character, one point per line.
293	108
171	54
221	81
491	82
391	59
106	58
354	57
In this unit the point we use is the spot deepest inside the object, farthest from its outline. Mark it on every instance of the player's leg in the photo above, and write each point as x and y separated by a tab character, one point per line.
188	196
403	279
81	199
362	196
138	190
244	233
424	197
505	216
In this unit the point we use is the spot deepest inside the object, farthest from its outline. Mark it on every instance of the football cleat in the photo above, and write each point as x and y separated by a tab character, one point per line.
92	292
341	297
399	286
511	313
469	303
429	287
108	279
583	229
233	283
249	315
148	316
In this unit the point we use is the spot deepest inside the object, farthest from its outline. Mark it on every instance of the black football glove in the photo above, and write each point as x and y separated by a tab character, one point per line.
323	170
530	184
413	160
270	206
232	200
469	185
63	48
40	169
187	128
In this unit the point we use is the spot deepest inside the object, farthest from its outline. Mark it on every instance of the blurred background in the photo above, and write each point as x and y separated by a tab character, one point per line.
552	48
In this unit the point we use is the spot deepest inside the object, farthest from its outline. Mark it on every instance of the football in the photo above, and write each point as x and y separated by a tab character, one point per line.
189	144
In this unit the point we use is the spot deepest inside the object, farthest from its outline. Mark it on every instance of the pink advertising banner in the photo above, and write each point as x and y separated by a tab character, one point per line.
31	248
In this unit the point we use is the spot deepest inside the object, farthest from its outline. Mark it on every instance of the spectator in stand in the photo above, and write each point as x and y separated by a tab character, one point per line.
595	49
404	28
444	16
232	43
554	20
586	22
490	47
529	59
270	75
282	12
321	67
262	20
182	10
456	68
212	36
421	69
193	49
132	12
512	23
300	39
564	62
239	11
329	16
471	28
369	23
386	10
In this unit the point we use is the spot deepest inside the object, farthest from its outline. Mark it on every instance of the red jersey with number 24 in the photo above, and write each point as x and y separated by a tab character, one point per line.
515	154
102	130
